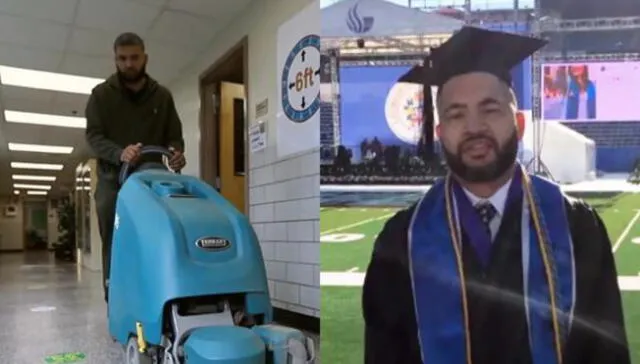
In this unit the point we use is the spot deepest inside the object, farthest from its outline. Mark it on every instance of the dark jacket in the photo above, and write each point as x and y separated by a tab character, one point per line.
117	117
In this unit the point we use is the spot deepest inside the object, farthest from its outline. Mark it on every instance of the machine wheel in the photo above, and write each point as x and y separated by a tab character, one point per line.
132	355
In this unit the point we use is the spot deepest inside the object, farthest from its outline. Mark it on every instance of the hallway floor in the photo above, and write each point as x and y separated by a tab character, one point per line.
48	308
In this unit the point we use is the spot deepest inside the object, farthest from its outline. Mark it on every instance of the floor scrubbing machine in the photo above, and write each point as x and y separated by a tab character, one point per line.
188	283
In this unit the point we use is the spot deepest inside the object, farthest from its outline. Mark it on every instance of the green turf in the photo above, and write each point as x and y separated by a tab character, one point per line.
341	257
342	325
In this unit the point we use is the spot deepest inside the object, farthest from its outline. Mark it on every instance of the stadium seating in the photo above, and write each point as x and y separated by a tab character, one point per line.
326	131
618	143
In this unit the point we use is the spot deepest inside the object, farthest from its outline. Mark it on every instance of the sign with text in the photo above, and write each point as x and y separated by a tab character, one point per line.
298	72
257	137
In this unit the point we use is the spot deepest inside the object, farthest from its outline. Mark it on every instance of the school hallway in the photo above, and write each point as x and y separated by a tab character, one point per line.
49	308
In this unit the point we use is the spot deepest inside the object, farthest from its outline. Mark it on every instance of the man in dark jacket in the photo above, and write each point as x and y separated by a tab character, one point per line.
127	111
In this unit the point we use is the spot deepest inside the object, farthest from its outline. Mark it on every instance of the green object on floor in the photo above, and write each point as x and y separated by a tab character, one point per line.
65	358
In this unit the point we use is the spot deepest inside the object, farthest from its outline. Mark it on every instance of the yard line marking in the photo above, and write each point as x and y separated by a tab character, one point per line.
352	270
339	279
359	223
629	283
626	231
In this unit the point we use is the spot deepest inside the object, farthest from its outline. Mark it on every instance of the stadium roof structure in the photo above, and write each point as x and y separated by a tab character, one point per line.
360	27
585	9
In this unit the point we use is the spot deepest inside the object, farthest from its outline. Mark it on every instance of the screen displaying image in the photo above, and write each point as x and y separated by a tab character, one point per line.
591	91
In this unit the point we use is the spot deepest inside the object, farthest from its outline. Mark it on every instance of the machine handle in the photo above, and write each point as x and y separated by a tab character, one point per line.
151	149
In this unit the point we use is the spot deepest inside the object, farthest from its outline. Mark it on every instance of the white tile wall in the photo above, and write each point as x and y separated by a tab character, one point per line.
285	209
283	194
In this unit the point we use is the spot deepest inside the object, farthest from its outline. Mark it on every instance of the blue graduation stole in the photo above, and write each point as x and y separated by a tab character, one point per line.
437	271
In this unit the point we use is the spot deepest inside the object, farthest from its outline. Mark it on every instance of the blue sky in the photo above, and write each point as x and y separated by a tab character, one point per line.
475	4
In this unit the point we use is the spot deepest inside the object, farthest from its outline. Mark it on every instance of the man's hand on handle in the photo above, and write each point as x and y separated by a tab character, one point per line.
177	160
131	153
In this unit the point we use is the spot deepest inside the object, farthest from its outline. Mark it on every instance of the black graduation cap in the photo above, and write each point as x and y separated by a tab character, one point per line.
474	49
469	50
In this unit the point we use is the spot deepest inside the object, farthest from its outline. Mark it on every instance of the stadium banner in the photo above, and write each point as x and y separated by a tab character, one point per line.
298	78
590	91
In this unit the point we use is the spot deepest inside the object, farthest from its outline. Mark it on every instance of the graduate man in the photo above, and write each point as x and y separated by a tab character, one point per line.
492	265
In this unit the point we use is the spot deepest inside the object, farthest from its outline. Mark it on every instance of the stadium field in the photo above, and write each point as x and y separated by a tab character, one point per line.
347	235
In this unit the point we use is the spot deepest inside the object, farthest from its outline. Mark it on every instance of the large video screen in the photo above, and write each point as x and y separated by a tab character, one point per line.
373	105
363	103
591	91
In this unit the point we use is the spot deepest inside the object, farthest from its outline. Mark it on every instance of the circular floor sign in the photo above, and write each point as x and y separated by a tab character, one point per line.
341	238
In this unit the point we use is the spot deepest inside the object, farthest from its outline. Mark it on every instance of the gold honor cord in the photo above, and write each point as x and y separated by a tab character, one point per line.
457	246
546	259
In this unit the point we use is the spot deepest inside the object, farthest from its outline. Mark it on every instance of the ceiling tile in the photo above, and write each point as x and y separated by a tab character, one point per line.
218	9
184	29
38	134
20	56
169	56
32	33
92	42
24	99
54	10
76	64
66	104
116	15
39	157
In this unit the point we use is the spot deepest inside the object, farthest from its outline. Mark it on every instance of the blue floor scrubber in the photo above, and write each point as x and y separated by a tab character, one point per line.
188	282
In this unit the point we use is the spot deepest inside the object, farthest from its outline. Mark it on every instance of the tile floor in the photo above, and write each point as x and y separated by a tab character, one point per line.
48	308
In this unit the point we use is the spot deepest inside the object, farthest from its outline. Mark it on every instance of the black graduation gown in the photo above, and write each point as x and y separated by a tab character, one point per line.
496	308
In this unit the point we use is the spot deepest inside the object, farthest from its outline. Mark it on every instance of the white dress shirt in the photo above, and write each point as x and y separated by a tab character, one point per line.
498	200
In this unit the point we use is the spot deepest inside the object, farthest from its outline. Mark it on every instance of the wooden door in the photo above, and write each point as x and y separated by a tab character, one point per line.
232	141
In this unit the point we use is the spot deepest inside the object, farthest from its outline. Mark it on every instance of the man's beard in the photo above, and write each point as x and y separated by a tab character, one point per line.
505	158
132	78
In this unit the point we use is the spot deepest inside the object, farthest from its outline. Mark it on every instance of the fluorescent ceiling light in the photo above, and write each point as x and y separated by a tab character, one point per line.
40	166
85	179
16	192
24	177
60	82
83	188
37	148
21	117
39	193
25	186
